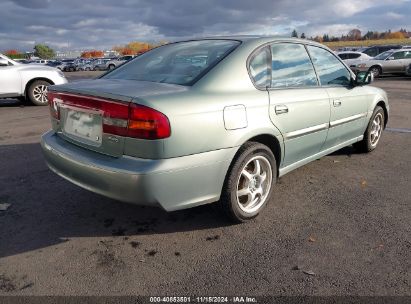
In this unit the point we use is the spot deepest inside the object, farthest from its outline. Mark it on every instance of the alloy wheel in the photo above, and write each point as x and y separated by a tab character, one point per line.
40	93
376	129
254	184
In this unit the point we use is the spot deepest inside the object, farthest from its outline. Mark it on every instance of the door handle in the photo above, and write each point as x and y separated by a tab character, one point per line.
281	109
336	102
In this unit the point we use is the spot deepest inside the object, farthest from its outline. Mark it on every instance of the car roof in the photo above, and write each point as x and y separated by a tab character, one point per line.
255	39
350	52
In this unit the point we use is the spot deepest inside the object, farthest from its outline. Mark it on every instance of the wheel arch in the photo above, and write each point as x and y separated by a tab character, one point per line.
268	140
384	107
378	66
28	84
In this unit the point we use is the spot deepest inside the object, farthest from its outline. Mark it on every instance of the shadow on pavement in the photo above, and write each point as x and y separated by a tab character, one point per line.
46	210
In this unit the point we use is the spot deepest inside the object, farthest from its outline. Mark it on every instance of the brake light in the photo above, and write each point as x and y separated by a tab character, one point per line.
123	119
147	123
54	105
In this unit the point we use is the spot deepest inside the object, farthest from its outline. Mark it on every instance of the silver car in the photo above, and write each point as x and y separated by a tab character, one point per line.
209	120
390	62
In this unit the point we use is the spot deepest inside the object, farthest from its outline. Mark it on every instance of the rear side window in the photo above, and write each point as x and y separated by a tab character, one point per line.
291	66
259	68
353	55
372	51
329	69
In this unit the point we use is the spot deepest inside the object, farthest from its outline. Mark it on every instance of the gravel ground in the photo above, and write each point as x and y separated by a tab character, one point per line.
338	226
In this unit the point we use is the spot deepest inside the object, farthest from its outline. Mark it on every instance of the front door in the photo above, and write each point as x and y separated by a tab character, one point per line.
348	104
10	81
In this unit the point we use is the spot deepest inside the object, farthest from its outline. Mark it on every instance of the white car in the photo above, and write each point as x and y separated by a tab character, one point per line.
347	55
27	81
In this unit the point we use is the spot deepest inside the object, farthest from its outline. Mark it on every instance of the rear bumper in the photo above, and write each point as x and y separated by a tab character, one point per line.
173	184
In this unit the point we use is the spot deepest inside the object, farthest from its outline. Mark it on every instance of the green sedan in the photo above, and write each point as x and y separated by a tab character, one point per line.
210	120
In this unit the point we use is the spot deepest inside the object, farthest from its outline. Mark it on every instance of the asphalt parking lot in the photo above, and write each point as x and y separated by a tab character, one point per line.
338	226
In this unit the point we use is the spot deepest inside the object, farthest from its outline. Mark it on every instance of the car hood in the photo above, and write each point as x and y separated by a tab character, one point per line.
119	89
34	67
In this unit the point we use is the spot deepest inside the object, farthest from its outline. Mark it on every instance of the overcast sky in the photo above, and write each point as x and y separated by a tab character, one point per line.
100	24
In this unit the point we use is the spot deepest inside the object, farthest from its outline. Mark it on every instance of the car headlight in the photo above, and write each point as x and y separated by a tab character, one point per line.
361	65
61	73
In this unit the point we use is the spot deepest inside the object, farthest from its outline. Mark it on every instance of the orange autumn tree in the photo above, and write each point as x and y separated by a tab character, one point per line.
92	54
395	35
133	48
14	54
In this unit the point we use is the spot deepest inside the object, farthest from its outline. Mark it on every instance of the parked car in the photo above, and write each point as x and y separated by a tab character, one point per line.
24	61
100	64
349	55
40	61
408	72
85	65
62	64
70	66
373	51
353	57
162	131
394	61
119	61
27	81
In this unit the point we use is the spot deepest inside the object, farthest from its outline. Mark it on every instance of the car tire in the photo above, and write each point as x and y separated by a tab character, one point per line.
376	71
111	66
372	134
249	183
87	69
37	92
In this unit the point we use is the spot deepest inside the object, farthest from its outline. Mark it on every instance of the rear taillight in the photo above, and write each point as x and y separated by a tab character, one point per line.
147	123
54	105
123	119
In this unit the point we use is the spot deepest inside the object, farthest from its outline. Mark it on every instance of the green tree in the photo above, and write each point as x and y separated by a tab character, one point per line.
43	51
294	34
302	36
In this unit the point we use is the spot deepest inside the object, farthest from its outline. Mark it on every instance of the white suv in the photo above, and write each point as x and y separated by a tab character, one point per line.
26	81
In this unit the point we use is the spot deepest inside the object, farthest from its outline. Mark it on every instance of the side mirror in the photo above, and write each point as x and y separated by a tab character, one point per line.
3	62
391	58
363	78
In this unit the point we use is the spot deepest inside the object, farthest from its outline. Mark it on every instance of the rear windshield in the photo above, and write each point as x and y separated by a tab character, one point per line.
180	63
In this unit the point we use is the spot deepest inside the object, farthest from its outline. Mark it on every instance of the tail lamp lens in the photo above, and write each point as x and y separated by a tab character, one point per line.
123	119
147	123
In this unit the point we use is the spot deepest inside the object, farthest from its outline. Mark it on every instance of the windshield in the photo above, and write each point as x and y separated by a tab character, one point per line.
10	60
384	55
177	63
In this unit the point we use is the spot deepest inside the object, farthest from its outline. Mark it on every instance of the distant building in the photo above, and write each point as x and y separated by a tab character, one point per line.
67	54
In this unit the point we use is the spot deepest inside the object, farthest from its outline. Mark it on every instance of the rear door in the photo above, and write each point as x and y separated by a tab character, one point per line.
395	63
299	107
348	104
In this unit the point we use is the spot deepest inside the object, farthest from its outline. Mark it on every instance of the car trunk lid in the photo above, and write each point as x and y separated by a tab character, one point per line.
99	114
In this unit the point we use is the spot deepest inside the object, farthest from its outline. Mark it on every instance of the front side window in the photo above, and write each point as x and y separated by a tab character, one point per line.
399	55
291	66
177	63
259	69
383	56
329	69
